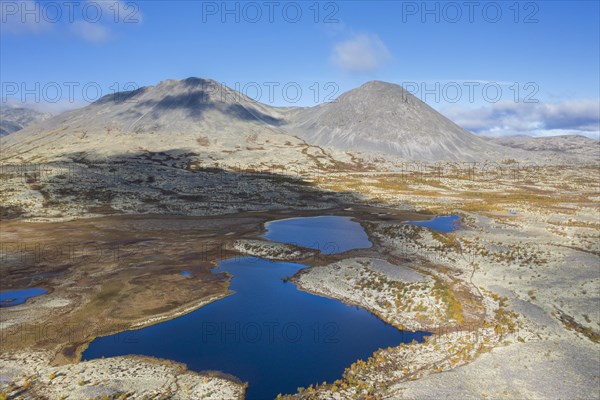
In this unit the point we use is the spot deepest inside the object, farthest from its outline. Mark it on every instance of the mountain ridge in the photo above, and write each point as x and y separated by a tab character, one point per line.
206	117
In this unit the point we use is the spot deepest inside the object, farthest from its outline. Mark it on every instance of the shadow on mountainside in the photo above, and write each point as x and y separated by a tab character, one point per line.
169	183
195	102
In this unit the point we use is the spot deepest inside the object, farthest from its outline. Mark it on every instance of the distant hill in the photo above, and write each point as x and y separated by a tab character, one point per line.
15	119
584	148
383	117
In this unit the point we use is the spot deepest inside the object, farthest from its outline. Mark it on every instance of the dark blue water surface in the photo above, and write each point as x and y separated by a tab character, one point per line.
447	223
268	333
16	297
329	234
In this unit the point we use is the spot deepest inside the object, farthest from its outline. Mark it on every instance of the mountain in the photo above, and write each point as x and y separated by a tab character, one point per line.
196	147
581	147
199	116
205	117
15	119
190	147
216	125
383	117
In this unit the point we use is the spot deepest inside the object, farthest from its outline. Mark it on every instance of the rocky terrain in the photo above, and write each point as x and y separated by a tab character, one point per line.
114	378
408	300
271	250
528	255
107	205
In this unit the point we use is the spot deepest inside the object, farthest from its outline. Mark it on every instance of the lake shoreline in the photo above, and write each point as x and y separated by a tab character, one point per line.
241	272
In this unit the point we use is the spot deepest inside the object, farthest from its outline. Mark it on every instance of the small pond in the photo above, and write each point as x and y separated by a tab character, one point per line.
445	224
16	297
329	234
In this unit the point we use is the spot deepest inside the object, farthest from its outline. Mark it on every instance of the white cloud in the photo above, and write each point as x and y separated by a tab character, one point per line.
92	32
96	24
22	17
111	13
577	117
361	53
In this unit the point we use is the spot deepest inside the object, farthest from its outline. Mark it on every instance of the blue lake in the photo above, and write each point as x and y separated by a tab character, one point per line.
16	297
447	223
329	234
267	333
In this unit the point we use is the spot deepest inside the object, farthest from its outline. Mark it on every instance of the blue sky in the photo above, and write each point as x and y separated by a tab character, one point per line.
494	67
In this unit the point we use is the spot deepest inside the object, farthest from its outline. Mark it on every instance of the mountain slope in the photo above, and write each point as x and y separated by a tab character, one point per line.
196	147
194	115
383	117
191	147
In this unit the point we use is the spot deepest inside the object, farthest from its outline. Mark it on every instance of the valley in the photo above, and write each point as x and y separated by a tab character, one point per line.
490	285
123	213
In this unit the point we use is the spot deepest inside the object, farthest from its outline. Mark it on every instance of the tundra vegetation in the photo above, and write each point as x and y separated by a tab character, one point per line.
510	297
